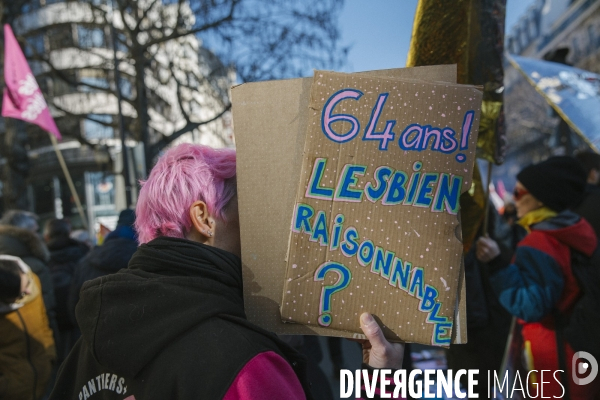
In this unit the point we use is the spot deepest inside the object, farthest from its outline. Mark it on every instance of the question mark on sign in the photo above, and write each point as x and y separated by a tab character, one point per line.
344	277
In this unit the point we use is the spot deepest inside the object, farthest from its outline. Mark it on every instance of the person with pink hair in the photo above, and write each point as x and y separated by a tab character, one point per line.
172	325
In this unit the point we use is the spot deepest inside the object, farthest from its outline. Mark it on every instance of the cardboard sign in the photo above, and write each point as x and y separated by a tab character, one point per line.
375	225
271	120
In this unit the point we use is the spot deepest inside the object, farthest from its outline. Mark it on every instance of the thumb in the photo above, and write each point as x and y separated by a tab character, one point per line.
372	330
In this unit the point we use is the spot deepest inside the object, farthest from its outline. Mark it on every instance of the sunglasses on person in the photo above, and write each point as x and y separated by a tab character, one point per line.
519	193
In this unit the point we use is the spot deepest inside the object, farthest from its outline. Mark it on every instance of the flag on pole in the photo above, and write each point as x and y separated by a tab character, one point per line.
23	98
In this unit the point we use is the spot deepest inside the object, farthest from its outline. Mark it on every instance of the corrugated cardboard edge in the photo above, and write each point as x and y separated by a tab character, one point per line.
265	214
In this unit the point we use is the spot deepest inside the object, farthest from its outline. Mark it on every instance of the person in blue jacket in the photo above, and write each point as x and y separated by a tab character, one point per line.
538	281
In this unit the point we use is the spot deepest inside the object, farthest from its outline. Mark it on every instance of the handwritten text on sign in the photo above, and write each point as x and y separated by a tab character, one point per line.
375	220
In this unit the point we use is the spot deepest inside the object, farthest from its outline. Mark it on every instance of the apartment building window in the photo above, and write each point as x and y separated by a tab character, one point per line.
127	87
95	82
96	130
96	2
34	45
60	37
30	6
94	77
524	37
61	86
533	28
122	43
90	37
512	46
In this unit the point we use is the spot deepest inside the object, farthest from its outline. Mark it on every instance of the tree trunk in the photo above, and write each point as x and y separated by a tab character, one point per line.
142	106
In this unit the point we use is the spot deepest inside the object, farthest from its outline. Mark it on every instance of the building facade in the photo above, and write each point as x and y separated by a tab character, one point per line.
70	48
563	31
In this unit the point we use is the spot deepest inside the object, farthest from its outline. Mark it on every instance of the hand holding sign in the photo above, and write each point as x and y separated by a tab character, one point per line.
377	351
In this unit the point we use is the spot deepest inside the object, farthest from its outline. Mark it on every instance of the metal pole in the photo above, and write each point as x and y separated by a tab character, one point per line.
125	169
58	206
486	216
90	202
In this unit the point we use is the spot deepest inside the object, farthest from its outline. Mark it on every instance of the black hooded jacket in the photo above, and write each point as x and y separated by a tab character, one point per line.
109	258
171	326
65	253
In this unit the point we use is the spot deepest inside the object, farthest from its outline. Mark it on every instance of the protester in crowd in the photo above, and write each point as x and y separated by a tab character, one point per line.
22	219
509	215
26	345
589	207
18	237
488	323
112	256
539	282
508	231
83	236
65	253
172	325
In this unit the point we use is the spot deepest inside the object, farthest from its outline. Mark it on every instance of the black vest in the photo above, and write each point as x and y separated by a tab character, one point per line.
170	326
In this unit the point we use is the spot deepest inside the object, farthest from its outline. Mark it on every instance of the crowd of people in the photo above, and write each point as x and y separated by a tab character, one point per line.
535	263
40	279
157	310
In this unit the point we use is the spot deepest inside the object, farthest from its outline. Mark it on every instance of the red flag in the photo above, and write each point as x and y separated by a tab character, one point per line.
23	98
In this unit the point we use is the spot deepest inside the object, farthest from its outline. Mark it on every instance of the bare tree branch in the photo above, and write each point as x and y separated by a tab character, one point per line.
80	138
256	39
143	17
176	34
190	126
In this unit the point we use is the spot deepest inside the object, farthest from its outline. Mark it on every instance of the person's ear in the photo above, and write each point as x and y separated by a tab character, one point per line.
202	222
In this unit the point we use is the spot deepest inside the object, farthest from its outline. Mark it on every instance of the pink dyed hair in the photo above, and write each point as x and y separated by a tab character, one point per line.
183	175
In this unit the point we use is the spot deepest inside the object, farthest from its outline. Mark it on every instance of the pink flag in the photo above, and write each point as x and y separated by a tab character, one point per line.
23	98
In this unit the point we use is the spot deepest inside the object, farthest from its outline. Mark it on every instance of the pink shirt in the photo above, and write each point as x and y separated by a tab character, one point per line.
267	376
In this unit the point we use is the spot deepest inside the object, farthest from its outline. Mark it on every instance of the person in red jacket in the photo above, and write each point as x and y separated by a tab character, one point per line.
539	282
172	325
